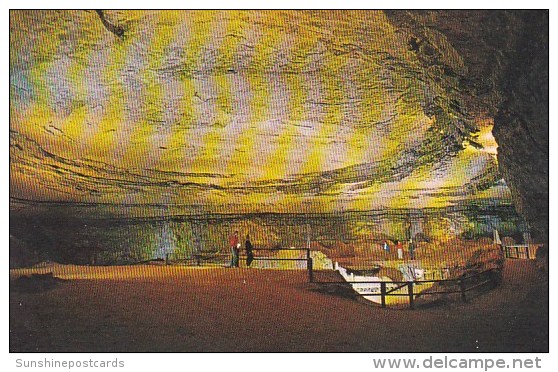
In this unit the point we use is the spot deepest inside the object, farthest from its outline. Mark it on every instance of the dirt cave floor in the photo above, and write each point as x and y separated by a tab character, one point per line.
149	308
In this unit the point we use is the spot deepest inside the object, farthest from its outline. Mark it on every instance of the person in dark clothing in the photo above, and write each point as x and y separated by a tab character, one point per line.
411	249
249	253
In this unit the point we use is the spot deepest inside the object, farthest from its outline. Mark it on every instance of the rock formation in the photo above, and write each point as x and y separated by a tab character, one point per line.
296	111
500	64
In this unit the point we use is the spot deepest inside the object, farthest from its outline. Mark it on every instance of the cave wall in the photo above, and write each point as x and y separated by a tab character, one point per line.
101	241
522	122
495	64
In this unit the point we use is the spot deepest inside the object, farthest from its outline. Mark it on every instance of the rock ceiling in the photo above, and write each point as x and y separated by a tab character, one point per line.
244	111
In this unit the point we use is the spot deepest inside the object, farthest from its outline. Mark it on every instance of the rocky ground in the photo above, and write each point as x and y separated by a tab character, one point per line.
456	255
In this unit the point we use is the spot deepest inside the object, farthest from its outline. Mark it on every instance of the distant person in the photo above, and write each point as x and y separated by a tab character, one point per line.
249	254
386	247
399	249
234	244
411	249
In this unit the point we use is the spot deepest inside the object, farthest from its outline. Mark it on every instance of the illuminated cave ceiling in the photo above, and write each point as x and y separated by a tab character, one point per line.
248	111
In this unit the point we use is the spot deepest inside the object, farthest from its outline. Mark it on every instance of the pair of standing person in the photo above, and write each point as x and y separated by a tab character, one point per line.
399	248
234	244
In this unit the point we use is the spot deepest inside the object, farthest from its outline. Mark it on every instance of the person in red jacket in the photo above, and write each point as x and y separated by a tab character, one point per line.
234	243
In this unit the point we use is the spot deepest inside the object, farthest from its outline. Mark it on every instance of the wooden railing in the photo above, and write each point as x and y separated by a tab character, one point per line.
200	257
464	284
518	251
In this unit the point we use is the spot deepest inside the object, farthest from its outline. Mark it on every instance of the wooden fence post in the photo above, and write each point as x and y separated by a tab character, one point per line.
462	290
309	266
383	293
411	295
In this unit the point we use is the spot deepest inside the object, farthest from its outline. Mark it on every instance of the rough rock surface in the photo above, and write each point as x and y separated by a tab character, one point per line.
501	62
281	110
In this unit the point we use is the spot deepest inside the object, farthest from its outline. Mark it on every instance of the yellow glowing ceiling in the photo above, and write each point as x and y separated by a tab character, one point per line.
251	110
